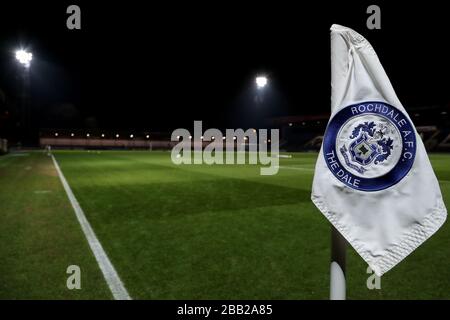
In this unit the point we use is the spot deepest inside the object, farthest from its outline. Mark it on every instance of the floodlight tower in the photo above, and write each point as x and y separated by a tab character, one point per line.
260	92
261	86
24	58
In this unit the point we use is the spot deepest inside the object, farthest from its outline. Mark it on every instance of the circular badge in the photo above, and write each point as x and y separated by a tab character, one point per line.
369	146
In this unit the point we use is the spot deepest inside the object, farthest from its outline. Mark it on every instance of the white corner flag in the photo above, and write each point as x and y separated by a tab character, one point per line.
373	180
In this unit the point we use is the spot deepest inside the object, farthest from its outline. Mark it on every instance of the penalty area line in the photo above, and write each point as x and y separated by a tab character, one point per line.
109	273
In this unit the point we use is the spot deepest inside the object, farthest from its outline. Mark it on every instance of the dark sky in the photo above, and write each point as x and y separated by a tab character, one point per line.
139	65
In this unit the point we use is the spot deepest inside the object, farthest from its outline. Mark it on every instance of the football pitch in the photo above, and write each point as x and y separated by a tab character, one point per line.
187	231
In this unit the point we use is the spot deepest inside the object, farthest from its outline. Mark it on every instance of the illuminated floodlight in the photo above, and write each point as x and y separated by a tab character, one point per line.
201	137
261	82
24	57
103	135
56	134
147	136
190	137
117	135
131	136
223	138
234	138
88	135
72	134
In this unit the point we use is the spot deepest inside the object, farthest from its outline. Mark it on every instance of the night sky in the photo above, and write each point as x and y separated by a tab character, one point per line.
138	65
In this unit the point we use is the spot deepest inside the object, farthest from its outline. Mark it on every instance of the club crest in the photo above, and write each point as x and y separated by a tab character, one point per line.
371	143
369	146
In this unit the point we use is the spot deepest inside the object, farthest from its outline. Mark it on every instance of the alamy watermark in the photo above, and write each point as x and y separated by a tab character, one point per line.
373	281
374	20
74	280
73	21
235	147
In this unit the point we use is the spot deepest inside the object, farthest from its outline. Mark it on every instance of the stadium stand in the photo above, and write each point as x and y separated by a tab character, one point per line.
297	133
78	139
104	140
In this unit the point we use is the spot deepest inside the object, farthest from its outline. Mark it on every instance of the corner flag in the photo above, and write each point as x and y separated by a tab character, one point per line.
373	180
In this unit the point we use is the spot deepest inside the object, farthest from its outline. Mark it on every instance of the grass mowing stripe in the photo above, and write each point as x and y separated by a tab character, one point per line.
111	276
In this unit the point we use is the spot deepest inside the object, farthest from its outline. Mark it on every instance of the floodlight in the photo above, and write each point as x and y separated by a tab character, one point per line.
261	82
24	57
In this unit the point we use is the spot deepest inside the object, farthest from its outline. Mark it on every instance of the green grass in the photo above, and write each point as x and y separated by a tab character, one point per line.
194	231
40	236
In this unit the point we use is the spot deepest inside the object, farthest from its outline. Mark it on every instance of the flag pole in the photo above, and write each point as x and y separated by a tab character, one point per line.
337	267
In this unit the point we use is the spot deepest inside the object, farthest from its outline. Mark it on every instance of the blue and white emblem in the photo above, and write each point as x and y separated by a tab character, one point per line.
369	146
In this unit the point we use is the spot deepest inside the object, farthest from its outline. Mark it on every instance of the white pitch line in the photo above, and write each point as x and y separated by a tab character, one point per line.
296	168
112	278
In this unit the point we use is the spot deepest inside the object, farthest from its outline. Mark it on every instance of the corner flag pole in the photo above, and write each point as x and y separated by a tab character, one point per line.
337	267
